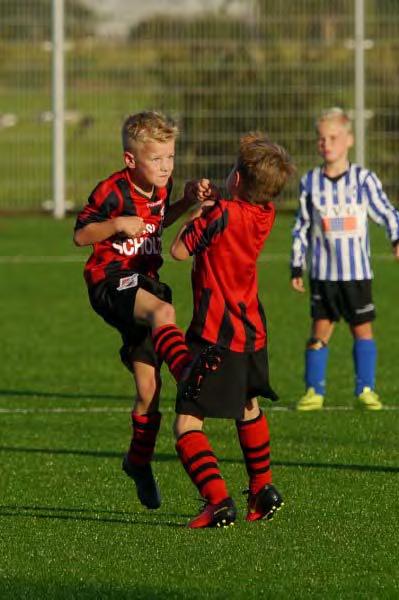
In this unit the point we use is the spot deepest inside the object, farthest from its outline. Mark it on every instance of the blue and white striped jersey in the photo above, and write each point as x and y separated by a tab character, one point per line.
331	229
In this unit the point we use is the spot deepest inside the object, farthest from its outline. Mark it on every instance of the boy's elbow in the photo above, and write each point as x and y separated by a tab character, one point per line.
179	252
176	255
77	239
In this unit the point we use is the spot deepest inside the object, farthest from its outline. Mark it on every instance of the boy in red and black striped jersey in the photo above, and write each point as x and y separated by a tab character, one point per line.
123	220
225	240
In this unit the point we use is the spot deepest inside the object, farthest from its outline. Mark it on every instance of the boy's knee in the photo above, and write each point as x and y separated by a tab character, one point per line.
163	314
185	423
251	410
363	331
148	390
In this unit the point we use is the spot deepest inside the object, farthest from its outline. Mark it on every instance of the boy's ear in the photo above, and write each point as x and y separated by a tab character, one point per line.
129	159
237	178
351	140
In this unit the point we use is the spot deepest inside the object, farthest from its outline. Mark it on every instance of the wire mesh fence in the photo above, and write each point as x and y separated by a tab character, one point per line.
220	68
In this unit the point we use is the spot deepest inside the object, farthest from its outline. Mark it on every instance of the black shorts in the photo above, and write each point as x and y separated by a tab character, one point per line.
350	299
224	393
114	298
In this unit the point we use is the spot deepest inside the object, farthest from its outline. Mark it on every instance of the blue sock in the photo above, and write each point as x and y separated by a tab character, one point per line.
364	357
315	369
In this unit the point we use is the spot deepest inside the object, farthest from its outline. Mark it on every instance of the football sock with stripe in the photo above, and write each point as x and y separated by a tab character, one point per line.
254	440
316	357
145	431
201	465
170	346
364	357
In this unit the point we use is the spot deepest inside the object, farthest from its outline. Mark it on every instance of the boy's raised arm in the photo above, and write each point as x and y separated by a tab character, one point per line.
194	191
100	231
179	250
177	209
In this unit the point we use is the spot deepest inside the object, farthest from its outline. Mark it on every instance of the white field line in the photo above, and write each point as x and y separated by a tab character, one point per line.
76	258
166	409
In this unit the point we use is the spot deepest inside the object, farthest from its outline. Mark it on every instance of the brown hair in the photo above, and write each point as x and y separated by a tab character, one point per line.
264	167
335	113
147	126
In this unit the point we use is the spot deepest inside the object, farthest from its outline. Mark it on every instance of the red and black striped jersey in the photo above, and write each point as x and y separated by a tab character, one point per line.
114	197
226	242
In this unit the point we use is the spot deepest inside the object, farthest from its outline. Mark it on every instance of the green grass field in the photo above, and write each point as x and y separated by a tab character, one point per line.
70	524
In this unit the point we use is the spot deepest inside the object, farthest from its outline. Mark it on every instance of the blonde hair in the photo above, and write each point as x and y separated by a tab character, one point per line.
147	126
335	113
264	167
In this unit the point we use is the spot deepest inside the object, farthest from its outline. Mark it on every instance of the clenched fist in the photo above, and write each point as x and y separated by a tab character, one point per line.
131	226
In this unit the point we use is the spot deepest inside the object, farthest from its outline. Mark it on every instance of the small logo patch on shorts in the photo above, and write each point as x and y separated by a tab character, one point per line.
365	309
128	282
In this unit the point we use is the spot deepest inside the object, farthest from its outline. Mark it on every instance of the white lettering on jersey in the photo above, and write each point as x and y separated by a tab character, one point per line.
141	245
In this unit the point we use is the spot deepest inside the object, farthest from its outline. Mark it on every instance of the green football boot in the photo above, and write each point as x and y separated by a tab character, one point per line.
310	401
369	400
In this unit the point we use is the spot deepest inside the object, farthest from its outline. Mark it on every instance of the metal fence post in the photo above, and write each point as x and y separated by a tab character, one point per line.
58	93
360	149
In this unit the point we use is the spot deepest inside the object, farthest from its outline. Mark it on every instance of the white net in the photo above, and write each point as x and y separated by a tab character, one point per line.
220	67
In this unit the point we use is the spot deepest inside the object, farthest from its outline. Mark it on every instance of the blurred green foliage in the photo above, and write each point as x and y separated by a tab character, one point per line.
31	19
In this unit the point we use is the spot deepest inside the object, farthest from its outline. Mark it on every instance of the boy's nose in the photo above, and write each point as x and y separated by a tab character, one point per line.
163	163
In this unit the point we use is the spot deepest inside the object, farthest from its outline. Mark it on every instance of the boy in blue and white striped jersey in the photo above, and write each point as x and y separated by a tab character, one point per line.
331	233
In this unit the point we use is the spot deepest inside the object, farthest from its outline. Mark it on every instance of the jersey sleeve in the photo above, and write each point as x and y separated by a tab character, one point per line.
102	203
301	231
205	230
379	209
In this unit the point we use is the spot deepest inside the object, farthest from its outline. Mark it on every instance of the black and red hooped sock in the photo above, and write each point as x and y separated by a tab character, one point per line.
254	439
201	465
145	431
170	345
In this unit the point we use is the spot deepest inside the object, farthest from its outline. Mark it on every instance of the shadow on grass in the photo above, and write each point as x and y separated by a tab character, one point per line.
164	457
67	451
66	395
96	516
15	588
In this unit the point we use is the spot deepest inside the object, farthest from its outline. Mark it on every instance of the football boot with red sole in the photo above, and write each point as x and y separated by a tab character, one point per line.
264	504
222	514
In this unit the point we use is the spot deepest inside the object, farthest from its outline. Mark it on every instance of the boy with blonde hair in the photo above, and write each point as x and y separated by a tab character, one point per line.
123	220
225	240
331	231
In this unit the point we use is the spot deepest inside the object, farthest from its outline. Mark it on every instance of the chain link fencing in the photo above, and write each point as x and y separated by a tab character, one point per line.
221	68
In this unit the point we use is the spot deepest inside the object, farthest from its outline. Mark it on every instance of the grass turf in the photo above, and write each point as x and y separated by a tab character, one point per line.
70	525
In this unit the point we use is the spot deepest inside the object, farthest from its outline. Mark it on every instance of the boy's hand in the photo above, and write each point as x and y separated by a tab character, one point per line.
131	226
396	250
200	210
191	191
297	284
207	191
200	191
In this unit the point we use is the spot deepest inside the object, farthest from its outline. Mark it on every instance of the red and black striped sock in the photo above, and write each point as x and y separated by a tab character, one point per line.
255	441
145	431
201	466
170	345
